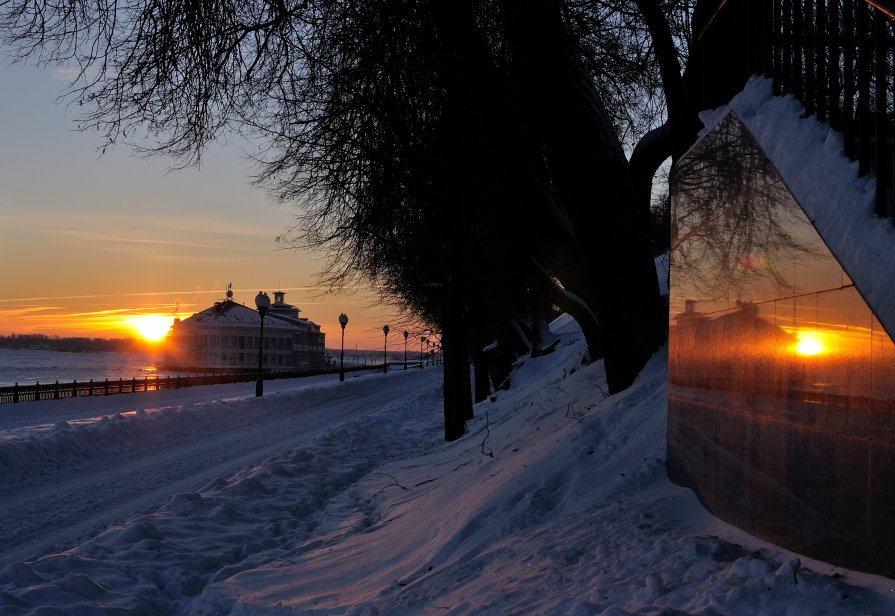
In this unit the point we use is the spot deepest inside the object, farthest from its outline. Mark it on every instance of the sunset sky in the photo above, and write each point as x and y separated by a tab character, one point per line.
91	240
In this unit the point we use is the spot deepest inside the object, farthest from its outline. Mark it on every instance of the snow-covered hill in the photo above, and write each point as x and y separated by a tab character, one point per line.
555	502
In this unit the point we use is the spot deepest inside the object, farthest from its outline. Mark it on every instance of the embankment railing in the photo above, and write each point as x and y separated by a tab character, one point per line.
58	391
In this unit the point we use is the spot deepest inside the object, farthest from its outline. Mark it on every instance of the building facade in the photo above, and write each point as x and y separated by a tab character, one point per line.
224	337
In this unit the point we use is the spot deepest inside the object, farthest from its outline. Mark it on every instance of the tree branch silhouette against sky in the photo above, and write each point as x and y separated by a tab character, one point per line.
90	239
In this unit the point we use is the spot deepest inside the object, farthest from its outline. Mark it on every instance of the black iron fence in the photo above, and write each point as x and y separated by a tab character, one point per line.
58	391
836	56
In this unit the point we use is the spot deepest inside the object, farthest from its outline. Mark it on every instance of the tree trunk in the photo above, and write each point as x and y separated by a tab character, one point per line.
576	308
591	176
482	378
457	390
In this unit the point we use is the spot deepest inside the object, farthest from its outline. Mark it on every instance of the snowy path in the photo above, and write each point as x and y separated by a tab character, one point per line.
57	508
30	416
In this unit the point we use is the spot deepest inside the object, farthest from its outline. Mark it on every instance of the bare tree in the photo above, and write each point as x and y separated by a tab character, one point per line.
729	173
467	155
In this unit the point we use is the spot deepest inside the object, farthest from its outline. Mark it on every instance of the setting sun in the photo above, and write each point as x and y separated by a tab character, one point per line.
809	343
152	327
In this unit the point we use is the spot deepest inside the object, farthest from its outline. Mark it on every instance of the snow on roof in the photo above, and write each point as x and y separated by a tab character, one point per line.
300	322
229	313
809	157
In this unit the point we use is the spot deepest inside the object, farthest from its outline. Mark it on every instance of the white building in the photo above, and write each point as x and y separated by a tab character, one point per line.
224	337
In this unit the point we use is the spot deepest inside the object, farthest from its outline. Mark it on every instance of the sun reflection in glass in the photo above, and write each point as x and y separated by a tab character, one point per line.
809	343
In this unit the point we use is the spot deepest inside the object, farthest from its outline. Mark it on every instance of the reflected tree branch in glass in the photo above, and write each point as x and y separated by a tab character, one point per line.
732	216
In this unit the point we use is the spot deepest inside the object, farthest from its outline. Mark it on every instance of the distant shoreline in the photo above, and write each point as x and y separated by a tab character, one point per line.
40	342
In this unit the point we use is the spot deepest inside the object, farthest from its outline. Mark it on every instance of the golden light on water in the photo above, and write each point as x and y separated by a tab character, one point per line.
152	327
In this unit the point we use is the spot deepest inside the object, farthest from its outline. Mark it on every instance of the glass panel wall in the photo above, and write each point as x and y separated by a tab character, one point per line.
781	380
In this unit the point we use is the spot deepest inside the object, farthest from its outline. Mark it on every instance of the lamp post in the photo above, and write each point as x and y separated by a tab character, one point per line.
406	333
343	321
385	331
422	342
262	302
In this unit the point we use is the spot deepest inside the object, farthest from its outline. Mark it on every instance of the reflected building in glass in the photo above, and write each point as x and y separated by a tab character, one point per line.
781	412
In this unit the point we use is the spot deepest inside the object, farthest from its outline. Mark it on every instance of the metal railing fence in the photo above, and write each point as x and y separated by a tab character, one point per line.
836	57
58	391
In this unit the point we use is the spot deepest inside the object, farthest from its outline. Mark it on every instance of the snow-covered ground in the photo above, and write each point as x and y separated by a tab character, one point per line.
328	498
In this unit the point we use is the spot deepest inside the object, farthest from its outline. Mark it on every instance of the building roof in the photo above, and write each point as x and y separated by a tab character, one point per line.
228	313
300	322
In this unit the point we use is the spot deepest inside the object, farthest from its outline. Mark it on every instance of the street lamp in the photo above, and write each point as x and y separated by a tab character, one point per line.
406	333
263	303
422	342
343	321
385	331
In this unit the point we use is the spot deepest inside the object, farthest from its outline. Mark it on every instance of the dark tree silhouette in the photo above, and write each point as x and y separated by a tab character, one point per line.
466	156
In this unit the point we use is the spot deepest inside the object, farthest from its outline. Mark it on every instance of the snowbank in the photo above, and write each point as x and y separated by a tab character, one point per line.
555	502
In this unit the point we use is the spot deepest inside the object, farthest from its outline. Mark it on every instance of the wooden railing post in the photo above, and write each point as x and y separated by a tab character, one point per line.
798	68
808	45
848	53
835	40
822	58
787	47
777	46
881	86
864	65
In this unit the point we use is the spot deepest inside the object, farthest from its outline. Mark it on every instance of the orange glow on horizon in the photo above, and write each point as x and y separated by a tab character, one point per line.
840	341
84	316
809	343
151	327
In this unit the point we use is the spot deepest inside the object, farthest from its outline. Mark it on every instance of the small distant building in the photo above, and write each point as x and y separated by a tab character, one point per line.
224	337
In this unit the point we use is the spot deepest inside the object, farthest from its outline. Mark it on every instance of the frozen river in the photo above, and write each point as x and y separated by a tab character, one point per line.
26	366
